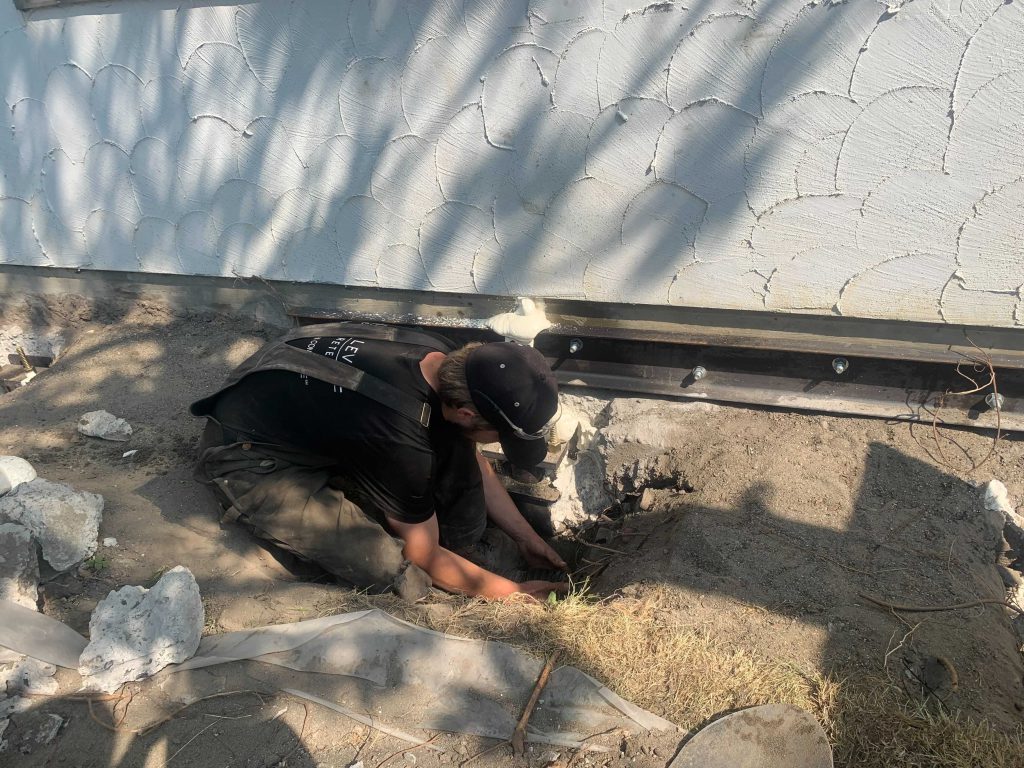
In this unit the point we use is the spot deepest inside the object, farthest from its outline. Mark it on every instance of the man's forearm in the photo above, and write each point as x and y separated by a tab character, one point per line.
453	573
502	511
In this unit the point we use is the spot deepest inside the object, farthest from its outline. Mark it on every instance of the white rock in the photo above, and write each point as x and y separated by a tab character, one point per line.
104	425
997	498
13	472
19	565
110	541
136	632
581	484
64	521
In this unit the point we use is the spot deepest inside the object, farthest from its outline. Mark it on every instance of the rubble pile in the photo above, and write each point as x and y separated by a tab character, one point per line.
43	526
48	528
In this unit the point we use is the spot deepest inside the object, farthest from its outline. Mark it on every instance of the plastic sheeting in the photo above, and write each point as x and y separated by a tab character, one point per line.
386	673
39	636
468	686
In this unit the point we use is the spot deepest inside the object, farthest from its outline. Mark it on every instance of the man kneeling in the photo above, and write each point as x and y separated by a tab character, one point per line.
354	446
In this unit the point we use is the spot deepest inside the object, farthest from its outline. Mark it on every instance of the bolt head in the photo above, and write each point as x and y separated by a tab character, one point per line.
699	372
840	364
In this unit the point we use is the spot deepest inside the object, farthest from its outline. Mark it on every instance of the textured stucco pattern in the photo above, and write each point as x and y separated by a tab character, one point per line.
850	158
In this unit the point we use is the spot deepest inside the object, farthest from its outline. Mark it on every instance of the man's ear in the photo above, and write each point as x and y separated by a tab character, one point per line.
466	416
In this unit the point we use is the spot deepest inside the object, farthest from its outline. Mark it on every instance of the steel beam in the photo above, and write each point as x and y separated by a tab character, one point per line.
908	389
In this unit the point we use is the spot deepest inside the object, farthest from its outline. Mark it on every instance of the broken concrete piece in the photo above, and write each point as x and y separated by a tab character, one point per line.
19	565
35	729
582	489
104	425
24	676
64	521
13	472
997	499
110	541
135	632
28	675
40	734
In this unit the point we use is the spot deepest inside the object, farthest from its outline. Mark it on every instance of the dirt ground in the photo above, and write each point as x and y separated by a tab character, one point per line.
790	521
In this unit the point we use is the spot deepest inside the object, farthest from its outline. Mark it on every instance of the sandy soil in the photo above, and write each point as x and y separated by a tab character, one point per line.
790	519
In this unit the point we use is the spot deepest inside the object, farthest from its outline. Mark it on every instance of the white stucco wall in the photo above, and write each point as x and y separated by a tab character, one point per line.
846	158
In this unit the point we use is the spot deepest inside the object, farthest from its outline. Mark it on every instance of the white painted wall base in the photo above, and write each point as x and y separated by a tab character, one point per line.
852	158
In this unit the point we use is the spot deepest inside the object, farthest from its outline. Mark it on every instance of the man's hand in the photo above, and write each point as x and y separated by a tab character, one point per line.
539	554
539	590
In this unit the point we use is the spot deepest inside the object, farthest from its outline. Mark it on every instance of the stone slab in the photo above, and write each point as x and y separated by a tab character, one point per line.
769	736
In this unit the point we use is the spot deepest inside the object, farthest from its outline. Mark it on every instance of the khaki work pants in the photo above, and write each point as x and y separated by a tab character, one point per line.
295	502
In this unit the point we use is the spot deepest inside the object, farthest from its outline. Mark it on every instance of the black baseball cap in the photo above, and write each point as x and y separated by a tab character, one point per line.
515	391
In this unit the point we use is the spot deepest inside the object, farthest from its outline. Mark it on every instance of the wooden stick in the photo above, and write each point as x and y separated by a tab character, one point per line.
519	734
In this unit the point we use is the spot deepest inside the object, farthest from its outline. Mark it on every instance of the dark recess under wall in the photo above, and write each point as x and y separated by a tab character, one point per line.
896	369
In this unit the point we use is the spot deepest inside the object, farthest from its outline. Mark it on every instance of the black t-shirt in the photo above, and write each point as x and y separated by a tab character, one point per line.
390	464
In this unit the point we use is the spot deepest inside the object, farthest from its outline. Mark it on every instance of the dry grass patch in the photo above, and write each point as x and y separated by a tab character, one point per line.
643	651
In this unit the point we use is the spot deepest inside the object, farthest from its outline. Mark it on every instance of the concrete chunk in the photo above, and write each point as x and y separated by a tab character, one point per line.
13	472
24	676
104	425
28	675
135	632
19	565
64	521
